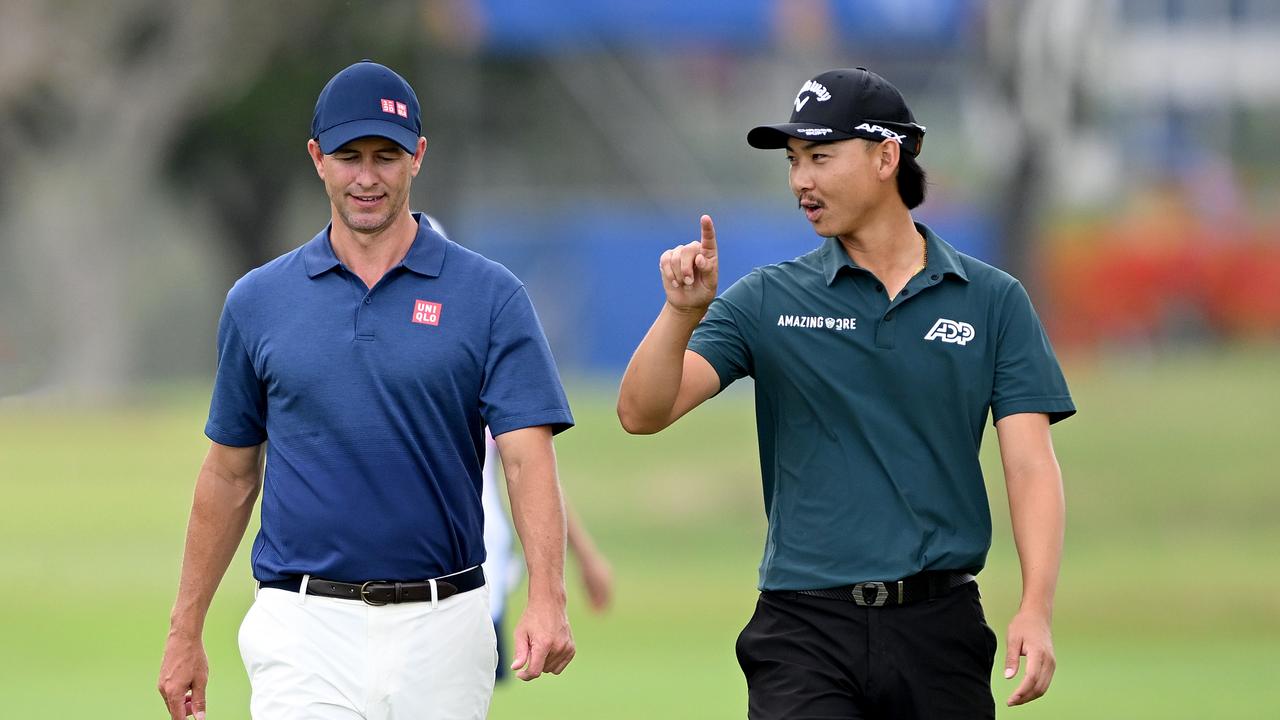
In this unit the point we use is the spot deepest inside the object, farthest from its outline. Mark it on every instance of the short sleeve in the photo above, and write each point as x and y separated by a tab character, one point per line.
1027	375
238	410
727	333
521	385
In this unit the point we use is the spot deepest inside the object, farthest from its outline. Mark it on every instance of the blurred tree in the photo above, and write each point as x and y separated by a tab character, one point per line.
114	114
241	157
1031	77
92	96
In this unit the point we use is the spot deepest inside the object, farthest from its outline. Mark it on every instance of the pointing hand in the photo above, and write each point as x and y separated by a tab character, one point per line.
690	272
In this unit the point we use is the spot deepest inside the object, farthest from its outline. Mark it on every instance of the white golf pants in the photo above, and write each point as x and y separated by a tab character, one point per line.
318	658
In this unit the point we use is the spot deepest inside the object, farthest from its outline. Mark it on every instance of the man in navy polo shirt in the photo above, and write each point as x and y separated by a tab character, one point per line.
369	362
877	359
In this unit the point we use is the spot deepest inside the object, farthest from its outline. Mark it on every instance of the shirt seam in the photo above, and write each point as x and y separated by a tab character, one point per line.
1002	312
1042	403
536	415
231	313
532	413
1032	398
707	352
493	321
235	437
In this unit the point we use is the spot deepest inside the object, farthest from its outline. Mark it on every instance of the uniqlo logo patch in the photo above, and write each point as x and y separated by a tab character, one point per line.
426	312
402	110
389	106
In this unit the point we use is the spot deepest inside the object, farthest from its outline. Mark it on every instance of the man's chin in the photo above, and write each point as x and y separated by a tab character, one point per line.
360	222
825	228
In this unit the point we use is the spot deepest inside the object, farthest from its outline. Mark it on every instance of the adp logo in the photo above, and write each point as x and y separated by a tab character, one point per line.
951	331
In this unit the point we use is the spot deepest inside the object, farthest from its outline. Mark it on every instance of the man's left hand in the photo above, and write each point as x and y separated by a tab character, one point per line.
543	642
1030	636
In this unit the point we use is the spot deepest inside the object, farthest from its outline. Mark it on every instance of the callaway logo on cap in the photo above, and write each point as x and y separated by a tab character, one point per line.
844	104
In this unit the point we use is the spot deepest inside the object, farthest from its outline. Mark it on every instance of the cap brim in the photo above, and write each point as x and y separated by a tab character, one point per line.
339	135
773	137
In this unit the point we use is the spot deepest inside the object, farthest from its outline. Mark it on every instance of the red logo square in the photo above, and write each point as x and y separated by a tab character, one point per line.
402	110
388	106
426	312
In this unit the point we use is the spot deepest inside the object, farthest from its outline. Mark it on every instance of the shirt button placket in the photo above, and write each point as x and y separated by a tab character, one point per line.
884	329
364	323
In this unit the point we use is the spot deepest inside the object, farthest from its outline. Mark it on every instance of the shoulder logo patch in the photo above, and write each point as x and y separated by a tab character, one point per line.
426	312
951	331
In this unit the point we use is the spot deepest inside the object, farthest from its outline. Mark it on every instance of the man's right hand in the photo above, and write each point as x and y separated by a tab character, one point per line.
184	674
664	379
690	272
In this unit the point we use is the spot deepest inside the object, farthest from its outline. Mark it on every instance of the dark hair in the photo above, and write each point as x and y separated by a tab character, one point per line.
911	181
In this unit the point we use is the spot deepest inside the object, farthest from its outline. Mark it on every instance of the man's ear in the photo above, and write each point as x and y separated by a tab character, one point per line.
888	155
417	156
317	156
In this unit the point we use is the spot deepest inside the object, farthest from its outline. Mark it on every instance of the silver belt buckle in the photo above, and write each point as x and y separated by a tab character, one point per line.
364	593
860	594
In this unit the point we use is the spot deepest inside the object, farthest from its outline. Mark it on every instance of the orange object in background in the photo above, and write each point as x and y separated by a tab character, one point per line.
1159	277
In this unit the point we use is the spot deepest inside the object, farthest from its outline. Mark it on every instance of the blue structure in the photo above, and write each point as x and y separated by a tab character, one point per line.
593	270
517	26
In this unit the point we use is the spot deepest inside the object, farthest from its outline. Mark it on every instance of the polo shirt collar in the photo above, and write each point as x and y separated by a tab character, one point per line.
943	259
317	254
425	256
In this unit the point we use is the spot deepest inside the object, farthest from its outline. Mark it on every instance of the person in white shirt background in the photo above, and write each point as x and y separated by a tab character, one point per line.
502	567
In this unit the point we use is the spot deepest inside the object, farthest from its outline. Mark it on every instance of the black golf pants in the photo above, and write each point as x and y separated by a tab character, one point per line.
810	658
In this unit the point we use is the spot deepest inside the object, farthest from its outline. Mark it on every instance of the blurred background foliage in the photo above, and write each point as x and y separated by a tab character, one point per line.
1119	156
155	152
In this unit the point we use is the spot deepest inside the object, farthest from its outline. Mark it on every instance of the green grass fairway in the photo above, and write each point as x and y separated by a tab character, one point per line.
1169	605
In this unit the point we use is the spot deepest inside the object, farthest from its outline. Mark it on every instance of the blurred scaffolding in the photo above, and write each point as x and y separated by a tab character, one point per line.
1118	155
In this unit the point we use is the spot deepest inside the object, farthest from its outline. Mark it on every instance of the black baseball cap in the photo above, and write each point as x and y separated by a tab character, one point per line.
844	104
367	100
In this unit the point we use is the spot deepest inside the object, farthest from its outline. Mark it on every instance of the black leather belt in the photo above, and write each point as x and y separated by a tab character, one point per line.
383	592
922	586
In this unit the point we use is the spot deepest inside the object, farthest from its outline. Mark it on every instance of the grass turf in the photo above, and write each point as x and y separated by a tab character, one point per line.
1168	607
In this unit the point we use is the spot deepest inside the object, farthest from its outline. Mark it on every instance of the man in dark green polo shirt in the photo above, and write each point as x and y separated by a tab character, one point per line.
877	359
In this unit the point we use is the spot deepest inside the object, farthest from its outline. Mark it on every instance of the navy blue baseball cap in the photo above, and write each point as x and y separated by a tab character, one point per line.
367	100
844	104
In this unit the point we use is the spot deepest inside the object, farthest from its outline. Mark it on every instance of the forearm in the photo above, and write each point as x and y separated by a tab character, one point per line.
580	542
1038	513
537	510
219	515
652	379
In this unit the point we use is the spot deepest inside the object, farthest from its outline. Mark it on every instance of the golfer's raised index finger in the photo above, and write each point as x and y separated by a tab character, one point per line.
708	234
